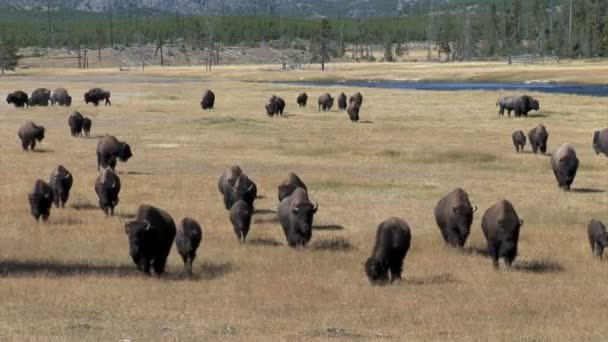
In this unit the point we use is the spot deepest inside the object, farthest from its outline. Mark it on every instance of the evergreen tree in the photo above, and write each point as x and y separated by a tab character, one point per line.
399	50
324	40
493	36
388	52
9	55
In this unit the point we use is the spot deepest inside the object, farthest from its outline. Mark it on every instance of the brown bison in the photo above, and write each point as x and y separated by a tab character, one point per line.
240	217
18	98
598	237
29	133
302	100
564	164
208	100
522	105
109	149
357	97
40	97
275	106
353	111
519	140
61	182
296	213
600	142
150	236
61	97
325	102
234	185
393	239
454	215
538	137
96	95
41	200
500	225
86	126
507	103
107	188
188	238
76	121
342	105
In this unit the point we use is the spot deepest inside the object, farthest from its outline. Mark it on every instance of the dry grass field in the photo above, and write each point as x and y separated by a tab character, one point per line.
71	279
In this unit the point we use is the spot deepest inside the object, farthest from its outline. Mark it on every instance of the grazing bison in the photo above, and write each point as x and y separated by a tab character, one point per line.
76	121
564	164
150	236
208	100
61	182
598	238
296	214
600	142
454	215
18	98
507	103
41	200
275	106
29	133
61	97
40	97
86	126
538	137
109	149
500	225
342	102
302	100
519	140
187	240
353	111
240	217
522	105
96	95
107	187
325	102
289	185
393	238
357	97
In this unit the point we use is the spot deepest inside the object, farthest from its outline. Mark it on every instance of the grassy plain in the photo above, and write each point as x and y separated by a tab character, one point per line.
72	278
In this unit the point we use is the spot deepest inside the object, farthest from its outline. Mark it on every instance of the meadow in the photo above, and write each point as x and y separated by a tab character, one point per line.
71	279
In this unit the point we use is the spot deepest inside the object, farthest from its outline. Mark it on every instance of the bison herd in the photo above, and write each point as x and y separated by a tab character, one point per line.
153	231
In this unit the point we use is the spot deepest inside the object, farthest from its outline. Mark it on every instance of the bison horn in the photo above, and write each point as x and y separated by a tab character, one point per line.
114	185
474	208
250	187
47	195
521	222
316	207
148	225
68	175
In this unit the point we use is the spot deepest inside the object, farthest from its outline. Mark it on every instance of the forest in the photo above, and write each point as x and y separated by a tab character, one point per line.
464	30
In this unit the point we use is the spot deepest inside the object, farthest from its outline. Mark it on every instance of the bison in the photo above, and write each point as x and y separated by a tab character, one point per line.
522	105
598	237
505	103
357	97
454	215
61	182
342	102
18	98
96	95
275	106
325	102
29	133
61	97
564	164
150	237
107	188
109	149
393	239
234	185
41	200
76	121
600	142
353	111
500	225
538	137
519	140
187	240
302	100
86	126
208	100
296	214
40	97
289	185
240	217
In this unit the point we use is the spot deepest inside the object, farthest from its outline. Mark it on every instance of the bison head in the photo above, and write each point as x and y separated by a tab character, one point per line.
534	104
124	153
596	142
9	98
243	188
40	135
40	205
377	271
464	217
68	101
304	213
271	108
137	232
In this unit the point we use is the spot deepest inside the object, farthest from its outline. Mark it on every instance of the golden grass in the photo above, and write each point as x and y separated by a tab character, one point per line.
72	279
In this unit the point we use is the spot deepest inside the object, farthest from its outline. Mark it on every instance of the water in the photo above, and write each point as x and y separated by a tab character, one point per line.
571	89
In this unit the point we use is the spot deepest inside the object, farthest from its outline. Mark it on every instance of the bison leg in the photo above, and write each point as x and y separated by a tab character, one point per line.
188	263
33	145
396	268
25	145
493	251
159	265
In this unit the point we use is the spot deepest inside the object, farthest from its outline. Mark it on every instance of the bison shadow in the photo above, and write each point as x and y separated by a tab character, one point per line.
437	279
125	215
536	115
260	197
65	221
538	266
97	136
340	333
210	271
266	219
42	150
20	268
334	244
478	251
329	227
365	122
264	242
83	205
135	173
587	191
264	212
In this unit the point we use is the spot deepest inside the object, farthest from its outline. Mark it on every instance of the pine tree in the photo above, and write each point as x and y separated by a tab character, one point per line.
399	50
493	35
388	52
9	55
324	40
